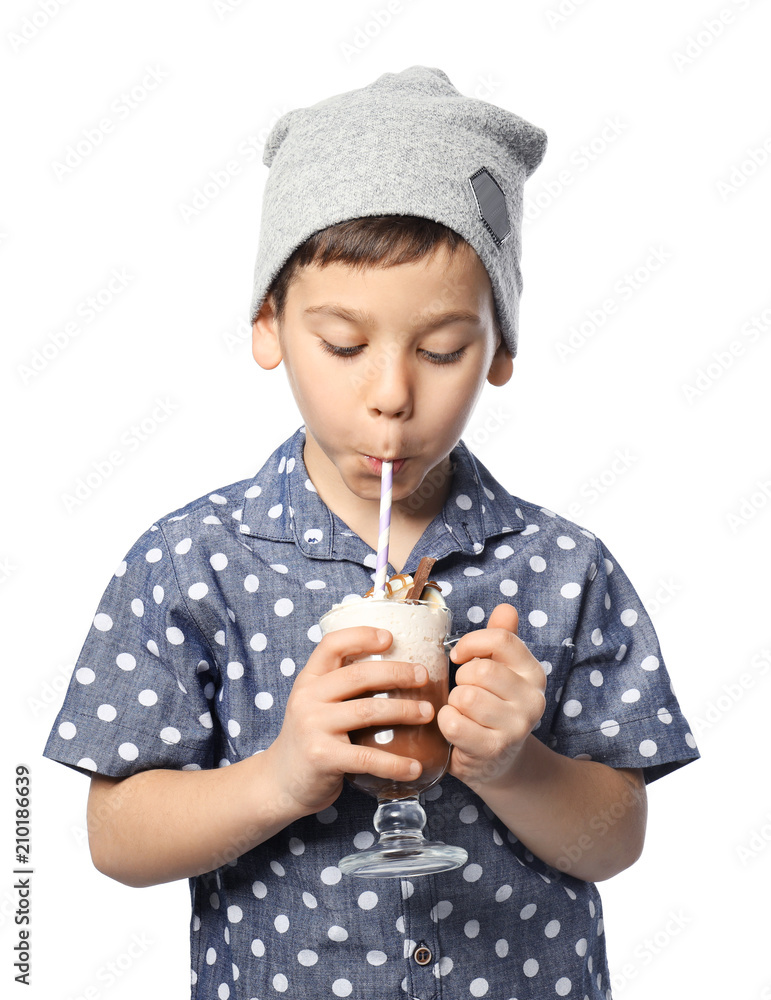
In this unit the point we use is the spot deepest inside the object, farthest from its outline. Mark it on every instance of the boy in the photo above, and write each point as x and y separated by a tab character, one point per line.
213	718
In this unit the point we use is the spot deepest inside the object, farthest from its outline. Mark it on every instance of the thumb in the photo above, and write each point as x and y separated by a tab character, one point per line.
504	616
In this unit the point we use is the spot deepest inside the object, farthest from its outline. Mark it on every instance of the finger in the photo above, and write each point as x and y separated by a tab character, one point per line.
372	675
504	616
491	675
363	713
467	735
381	764
481	706
335	647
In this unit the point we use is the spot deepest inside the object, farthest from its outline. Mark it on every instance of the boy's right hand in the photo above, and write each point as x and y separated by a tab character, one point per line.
312	753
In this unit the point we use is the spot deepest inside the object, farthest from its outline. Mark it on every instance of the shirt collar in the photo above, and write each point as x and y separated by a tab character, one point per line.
282	505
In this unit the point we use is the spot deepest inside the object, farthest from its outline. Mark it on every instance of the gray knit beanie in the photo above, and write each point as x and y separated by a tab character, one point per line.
407	144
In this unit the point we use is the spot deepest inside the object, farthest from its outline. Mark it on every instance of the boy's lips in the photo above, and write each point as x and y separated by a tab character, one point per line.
376	464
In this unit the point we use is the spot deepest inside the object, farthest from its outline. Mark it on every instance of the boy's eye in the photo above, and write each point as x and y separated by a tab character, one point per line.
444	359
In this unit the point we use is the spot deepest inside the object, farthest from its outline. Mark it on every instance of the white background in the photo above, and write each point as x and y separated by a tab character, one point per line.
673	467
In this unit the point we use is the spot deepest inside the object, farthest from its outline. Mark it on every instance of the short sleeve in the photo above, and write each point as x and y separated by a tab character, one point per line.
140	694
617	705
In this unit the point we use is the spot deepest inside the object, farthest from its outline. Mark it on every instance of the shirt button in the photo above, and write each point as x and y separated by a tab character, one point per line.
422	955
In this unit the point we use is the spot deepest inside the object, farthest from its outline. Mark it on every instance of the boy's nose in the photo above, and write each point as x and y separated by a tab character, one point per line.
388	388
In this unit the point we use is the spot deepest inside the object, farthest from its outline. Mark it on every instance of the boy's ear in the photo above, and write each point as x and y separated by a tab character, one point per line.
502	365
266	346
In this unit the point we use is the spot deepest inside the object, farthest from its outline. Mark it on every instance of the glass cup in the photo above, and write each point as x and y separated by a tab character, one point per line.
420	630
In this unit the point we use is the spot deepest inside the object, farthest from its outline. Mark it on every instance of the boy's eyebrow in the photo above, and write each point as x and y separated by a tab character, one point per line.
423	321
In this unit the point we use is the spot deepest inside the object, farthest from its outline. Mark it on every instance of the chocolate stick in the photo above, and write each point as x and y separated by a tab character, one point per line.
420	579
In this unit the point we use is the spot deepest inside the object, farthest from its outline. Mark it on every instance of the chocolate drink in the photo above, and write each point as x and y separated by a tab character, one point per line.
424	742
419	629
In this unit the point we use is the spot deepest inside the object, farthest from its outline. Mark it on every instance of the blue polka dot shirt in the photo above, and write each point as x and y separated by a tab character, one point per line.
189	663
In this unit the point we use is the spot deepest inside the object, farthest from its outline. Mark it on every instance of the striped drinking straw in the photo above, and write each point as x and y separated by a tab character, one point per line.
384	534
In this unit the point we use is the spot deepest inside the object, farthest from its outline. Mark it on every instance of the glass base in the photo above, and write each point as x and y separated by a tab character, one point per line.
402	849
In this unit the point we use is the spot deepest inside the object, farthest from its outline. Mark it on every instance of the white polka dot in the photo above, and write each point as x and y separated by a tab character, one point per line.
263	700
147	697
475	615
211	519
367	900
503	552
310	901
468	814
307	957
235	670
138	607
103	623
690	740
87	763
206	720
152	645
570	590
530	968
154	555
363	840
552	929
287	667
259	889
331	875
527	911
276	511
376	957
218	561
121	570
211	956
664	716
258	642
442	909
610	728
85	675
197	591
235	914
181	548
128	751
252	492
650	663
621	652
508	588
234	728
251	583
596	678
106	713
336	933
258	948
503	893
630	696
471	928
444	966
648	748
581	947
464	502
537	564
223	991
472	873
67	730
407	889
341	988
328	815
537	618
281	923
125	661
170	735
563	986
280	983
473	571
597	637
565	543
277	869
296	846
479	987
157	593
628	617
175	636
502	948
283	607
572	708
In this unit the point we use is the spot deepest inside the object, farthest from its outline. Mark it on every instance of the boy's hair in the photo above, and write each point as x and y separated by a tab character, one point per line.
374	241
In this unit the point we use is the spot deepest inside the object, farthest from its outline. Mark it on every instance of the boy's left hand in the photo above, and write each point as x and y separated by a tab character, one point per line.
497	701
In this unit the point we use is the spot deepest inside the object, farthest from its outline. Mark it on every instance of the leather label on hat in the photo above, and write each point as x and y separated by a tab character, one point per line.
491	203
